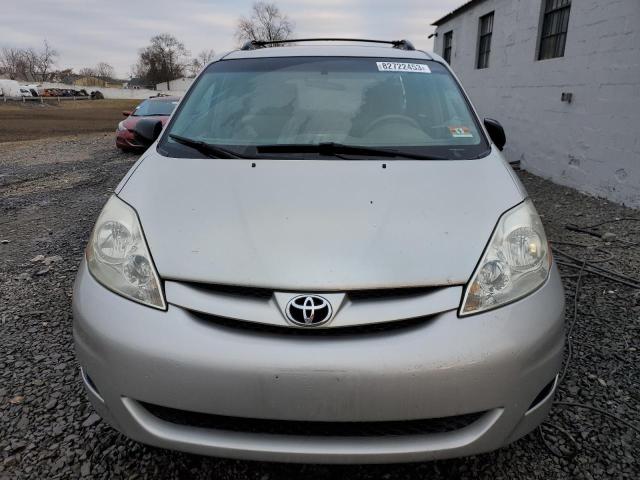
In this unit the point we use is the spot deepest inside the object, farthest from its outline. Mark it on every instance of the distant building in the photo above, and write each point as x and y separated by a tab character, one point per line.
63	76
563	78
89	82
97	82
138	83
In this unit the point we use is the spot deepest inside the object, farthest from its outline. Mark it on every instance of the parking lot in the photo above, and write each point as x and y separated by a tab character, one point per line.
51	190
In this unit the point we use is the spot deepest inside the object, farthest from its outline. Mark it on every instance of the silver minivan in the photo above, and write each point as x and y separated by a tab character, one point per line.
323	257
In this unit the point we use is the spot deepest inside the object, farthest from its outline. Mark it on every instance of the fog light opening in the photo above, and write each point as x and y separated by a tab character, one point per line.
543	394
89	383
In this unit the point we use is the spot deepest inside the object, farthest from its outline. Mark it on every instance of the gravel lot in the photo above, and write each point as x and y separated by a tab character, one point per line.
50	194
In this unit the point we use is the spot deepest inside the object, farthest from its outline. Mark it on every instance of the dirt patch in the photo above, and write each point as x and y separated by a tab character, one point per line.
19	122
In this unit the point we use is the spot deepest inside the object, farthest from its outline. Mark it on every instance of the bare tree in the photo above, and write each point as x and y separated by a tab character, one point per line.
165	59
28	63
46	59
11	62
87	72
137	70
202	60
266	23
104	71
90	77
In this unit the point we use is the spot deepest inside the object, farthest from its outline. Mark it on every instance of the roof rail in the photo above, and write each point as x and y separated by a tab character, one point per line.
255	44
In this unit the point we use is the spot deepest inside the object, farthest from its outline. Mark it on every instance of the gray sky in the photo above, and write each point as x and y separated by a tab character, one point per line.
86	32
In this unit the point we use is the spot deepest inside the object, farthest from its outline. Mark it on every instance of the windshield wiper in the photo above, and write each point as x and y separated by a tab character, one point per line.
335	149
208	149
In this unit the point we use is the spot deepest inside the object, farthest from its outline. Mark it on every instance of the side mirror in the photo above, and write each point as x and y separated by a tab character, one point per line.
147	131
126	113
496	132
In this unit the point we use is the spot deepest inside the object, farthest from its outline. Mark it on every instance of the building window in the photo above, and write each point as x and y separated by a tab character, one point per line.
446	49
553	35
484	42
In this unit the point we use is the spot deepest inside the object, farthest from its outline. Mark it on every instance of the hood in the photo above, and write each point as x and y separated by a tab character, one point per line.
319	224
130	122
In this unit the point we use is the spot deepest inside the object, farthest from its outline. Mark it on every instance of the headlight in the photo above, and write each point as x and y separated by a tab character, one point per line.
516	262
118	257
121	127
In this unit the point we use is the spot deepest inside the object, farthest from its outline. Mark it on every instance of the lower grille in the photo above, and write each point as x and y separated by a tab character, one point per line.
313	429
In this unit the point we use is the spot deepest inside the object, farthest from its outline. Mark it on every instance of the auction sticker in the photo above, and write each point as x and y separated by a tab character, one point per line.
460	132
403	67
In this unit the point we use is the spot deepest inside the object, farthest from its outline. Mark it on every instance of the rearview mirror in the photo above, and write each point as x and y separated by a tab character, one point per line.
126	113
147	131
496	132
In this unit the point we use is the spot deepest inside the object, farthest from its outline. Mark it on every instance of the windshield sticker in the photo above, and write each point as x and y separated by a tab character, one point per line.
460	132
403	67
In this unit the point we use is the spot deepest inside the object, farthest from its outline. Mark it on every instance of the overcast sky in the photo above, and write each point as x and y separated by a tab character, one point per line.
86	32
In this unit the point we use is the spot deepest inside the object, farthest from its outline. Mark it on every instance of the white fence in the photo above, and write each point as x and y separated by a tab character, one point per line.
6	99
177	86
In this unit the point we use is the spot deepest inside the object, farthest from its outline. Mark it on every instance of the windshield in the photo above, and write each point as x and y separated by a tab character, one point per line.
406	105
155	107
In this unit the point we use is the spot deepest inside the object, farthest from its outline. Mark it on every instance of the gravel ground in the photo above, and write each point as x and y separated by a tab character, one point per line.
50	194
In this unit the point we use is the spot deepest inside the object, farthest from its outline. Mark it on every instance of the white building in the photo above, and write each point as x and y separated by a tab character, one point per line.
563	78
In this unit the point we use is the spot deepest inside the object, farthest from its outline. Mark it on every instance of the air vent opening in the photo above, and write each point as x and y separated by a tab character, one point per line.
544	393
313	429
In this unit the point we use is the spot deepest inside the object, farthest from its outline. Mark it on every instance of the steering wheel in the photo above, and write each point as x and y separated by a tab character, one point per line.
392	118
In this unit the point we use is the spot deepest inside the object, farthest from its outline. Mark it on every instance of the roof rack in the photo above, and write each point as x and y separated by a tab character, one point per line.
399	44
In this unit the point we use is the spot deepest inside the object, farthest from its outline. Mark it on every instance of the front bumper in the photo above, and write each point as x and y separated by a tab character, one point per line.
496	363
126	140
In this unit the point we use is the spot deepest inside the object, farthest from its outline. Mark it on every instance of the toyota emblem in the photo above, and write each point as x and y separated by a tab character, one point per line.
308	310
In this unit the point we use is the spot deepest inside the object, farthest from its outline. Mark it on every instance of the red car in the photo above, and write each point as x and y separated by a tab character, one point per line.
159	108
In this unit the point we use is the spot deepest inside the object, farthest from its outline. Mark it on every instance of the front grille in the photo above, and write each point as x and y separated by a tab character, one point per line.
312	429
249	292
353	295
240	293
370	328
389	293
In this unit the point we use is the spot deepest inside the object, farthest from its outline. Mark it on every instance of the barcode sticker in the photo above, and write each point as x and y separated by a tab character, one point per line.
403	67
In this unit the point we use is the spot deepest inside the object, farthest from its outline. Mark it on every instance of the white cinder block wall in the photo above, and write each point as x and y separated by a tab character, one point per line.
592	143
178	85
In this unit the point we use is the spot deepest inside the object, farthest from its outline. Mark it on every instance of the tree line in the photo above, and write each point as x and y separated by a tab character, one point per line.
37	65
28	63
165	58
